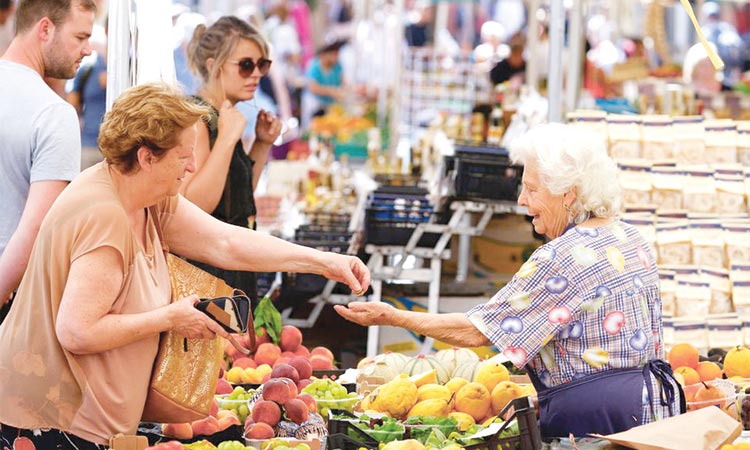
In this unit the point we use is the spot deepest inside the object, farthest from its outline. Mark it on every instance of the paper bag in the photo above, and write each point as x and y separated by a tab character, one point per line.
127	442
703	429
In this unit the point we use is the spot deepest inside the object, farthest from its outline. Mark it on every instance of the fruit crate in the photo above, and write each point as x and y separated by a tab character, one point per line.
529	437
345	434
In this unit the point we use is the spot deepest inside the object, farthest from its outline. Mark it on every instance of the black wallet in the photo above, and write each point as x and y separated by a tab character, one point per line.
232	313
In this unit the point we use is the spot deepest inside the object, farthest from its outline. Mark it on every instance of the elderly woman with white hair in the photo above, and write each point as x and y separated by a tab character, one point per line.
583	314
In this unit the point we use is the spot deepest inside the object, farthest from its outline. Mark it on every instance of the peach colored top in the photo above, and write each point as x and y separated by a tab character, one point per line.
43	385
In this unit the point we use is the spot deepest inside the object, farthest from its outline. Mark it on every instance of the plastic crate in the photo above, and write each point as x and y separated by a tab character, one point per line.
346	427
385	227
332	227
464	149
331	236
529	437
484	178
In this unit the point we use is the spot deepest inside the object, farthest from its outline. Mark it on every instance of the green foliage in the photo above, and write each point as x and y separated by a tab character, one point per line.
266	315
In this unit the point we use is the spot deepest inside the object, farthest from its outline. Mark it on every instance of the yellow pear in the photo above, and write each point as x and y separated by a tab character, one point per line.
433	390
490	373
502	394
396	397
464	420
474	400
456	383
433	407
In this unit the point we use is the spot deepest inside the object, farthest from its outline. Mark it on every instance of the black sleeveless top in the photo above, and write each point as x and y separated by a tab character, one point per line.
236	204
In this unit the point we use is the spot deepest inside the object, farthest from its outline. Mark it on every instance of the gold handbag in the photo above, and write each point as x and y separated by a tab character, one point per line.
185	371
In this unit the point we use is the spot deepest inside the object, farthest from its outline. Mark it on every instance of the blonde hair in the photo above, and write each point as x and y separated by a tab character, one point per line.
218	41
568	157
150	115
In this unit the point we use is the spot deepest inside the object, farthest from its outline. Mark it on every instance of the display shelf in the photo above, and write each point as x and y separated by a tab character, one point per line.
433	83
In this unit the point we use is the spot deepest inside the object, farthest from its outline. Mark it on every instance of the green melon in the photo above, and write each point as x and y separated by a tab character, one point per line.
453	357
421	363
395	360
466	370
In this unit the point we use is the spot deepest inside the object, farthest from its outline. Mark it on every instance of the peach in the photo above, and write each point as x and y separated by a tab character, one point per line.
223	387
265	378
683	355
288	354
320	362
281	360
205	427
267	412
267	353
262	338
259	431
214	408
302	351
245	362
292	386
227	421
320	350
291	338
301	384
232	353
309	401
276	390
286	371
296	410
177	430
303	366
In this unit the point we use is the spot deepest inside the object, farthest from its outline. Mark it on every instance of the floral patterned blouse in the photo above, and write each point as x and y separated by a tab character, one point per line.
583	303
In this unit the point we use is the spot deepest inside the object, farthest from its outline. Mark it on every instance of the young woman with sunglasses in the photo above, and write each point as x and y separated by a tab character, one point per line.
230	56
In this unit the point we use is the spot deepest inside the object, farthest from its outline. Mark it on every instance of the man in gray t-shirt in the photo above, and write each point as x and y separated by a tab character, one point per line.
40	143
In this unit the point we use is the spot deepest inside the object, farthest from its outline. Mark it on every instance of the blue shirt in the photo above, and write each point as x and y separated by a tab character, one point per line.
93	101
332	77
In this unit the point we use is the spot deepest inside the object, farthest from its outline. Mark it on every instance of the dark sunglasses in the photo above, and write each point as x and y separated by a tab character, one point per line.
247	66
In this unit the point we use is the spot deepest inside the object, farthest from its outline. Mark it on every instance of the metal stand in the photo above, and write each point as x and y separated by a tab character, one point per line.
387	262
460	224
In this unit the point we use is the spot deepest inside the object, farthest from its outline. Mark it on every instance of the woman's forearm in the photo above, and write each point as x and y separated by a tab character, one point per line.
206	185
451	328
259	154
112	331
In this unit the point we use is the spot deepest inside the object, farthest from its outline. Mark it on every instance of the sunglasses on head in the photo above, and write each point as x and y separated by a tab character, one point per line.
247	66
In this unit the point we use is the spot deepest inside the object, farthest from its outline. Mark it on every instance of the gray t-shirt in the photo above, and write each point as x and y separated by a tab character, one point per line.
40	140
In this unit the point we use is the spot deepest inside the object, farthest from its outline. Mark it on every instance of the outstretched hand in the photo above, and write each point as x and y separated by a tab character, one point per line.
349	270
366	313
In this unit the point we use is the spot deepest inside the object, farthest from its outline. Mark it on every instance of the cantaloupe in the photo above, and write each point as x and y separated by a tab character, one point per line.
451	358
466	370
423	363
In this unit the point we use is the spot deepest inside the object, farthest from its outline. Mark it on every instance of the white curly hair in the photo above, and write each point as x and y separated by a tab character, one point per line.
569	157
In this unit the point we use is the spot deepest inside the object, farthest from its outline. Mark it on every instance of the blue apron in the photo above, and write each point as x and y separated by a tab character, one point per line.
605	402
